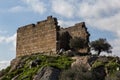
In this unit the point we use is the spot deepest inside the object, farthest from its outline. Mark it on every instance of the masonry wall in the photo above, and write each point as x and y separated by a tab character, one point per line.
78	30
45	36
40	37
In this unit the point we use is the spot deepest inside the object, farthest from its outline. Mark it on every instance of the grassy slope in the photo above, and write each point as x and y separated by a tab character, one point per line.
60	62
63	63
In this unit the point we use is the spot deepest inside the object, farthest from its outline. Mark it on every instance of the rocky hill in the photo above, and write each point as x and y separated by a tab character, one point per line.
43	67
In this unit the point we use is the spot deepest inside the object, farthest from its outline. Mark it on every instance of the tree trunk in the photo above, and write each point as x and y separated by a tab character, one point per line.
99	51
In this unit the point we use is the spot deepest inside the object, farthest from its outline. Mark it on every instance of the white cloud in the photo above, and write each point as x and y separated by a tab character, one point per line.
15	9
36	5
4	64
98	8
2	39
63	7
103	14
18	9
3	32
64	23
109	23
116	46
10	39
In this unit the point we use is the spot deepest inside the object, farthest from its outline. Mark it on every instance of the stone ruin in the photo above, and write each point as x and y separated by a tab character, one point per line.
45	36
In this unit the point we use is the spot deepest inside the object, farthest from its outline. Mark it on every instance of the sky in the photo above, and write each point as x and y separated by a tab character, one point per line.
102	18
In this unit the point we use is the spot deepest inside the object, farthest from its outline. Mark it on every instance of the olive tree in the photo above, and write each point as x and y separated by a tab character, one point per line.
101	45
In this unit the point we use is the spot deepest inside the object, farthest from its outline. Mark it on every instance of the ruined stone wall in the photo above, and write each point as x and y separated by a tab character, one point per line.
35	38
45	36
78	30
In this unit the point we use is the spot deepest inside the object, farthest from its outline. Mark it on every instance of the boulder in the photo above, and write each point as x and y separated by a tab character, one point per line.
61	51
47	73
69	53
14	64
80	60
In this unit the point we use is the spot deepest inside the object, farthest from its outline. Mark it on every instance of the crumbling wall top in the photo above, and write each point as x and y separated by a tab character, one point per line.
29	26
50	20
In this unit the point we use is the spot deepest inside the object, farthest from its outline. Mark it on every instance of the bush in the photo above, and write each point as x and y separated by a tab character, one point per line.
77	43
112	66
116	76
76	73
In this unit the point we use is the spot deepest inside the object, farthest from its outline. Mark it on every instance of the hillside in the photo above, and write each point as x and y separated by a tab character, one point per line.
43	67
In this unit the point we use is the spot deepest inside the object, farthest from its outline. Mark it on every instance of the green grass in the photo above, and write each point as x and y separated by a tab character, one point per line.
97	64
111	65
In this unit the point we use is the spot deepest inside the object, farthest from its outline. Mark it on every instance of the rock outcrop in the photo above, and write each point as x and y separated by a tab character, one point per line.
81	61
47	73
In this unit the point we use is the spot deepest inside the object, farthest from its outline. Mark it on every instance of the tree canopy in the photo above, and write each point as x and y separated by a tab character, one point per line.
101	45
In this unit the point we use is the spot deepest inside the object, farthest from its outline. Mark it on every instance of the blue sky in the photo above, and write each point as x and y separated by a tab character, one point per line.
102	18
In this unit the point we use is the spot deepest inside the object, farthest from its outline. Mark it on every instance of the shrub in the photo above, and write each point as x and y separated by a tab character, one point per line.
116	76
77	43
112	66
76	73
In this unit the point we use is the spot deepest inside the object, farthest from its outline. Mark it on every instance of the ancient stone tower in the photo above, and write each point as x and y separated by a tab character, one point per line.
45	36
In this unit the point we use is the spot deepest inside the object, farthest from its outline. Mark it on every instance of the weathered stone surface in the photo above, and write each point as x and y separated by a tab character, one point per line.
47	73
81	60
14	64
35	38
45	36
68	53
